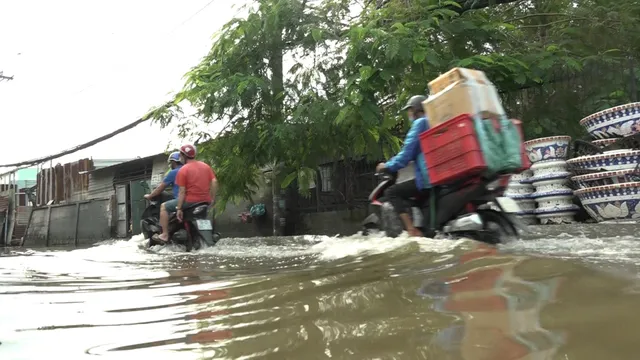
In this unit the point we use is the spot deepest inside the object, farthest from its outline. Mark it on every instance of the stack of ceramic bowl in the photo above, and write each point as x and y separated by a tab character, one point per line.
609	183
520	191
550	179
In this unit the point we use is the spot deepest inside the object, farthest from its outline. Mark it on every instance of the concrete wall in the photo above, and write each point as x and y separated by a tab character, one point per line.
81	223
229	223
342	222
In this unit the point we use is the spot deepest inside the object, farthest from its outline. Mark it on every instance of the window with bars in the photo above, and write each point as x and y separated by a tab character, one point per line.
326	178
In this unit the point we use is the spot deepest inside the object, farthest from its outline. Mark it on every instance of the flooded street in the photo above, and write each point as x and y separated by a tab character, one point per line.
325	298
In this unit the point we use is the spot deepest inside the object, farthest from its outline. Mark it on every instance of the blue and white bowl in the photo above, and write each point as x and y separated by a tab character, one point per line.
611	202
609	161
606	178
549	176
618	121
548	148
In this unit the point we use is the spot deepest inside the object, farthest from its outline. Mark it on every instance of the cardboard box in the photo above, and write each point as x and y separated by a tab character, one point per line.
461	91
455	75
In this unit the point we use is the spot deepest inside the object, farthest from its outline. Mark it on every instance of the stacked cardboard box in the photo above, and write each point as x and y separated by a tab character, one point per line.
462	91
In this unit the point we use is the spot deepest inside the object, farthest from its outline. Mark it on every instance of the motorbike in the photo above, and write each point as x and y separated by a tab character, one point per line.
195	231
461	209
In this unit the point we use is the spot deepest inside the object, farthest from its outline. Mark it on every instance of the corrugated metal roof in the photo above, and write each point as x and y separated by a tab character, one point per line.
147	158
102	163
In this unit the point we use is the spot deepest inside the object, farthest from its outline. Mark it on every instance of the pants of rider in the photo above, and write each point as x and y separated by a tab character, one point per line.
399	194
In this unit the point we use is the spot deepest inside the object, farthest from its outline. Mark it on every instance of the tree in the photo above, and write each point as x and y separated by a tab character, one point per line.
300	82
277	112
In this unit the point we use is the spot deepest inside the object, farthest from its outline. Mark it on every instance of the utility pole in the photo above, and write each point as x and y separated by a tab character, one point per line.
2	77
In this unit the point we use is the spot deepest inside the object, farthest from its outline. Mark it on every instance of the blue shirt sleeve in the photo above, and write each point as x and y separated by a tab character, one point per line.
410	148
170	179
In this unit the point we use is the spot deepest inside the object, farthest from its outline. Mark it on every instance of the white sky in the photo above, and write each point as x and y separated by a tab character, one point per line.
83	68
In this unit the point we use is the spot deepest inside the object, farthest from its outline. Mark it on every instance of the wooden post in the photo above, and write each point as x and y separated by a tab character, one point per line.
26	230
46	237
64	182
51	174
77	222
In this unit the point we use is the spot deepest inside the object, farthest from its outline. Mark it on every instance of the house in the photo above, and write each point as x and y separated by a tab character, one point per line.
15	204
91	200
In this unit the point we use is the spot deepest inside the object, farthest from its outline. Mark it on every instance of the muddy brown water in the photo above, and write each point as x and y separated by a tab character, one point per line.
560	297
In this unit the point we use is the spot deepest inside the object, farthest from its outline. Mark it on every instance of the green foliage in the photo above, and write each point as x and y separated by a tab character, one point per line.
299	82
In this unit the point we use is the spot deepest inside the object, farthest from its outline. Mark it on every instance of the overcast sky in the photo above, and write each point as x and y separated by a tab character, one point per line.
85	68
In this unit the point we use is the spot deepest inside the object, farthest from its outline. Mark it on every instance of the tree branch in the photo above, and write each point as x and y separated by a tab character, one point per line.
465	5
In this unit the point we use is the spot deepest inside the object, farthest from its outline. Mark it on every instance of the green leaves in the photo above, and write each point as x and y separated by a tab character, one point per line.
297	83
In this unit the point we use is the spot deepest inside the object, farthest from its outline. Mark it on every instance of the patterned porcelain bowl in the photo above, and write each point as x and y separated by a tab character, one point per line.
526	204
551	185
557	216
554	202
521	176
618	121
544	168
604	142
610	202
548	148
518	188
609	161
606	178
550	176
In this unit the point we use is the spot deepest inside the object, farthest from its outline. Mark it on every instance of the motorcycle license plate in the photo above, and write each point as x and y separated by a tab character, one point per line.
509	205
204	224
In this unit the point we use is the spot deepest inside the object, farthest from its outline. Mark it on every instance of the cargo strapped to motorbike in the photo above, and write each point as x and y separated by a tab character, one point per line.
471	146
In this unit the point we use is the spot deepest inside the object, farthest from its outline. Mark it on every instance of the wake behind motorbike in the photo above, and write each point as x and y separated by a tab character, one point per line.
194	232
461	209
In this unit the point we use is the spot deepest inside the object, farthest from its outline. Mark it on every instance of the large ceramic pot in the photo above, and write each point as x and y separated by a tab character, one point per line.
521	176
551	185
518	188
546	177
556	216
606	178
548	168
548	148
609	161
618	121
610	202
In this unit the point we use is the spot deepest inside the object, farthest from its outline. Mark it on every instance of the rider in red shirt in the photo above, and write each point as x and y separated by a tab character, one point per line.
197	183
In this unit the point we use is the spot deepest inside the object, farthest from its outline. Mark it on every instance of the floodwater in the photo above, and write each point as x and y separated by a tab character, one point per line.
325	298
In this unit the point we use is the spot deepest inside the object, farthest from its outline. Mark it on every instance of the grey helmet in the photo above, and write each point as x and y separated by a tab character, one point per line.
415	103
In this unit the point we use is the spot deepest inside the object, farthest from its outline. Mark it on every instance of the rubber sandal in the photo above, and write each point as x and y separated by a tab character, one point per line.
157	238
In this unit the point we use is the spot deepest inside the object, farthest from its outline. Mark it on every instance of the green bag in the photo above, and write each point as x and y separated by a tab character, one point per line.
500	149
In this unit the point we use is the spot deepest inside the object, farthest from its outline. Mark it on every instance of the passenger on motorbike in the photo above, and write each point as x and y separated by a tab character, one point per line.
170	179
197	183
399	194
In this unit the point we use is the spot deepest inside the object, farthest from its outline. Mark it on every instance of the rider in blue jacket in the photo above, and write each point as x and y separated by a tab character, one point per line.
399	194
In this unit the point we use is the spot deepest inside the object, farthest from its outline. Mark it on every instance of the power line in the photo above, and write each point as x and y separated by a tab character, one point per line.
2	77
85	145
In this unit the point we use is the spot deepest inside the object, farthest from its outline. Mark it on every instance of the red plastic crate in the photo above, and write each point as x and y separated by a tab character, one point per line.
452	151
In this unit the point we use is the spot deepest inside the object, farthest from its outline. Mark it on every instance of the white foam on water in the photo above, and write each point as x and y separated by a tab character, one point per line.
325	247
